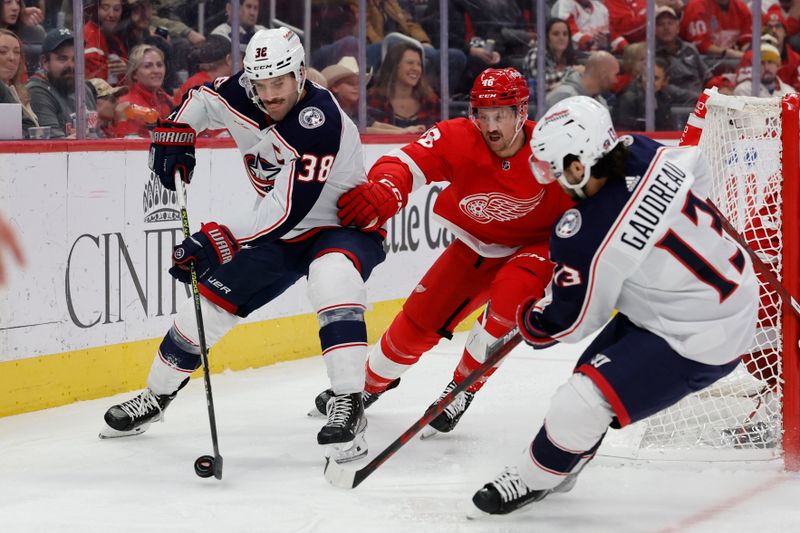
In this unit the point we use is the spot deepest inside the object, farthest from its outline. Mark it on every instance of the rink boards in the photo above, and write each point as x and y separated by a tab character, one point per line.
82	320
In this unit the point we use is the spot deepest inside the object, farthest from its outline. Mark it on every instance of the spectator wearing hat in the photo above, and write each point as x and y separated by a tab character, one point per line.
106	97
248	15
717	27
105	53
52	89
686	68
212	59
12	88
771	84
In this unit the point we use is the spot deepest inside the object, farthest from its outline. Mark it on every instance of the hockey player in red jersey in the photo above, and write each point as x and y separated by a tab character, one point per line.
501	218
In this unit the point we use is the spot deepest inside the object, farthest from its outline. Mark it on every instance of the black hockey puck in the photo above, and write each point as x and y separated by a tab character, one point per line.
204	466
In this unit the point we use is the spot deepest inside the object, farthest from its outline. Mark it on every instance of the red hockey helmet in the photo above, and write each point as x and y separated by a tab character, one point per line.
500	87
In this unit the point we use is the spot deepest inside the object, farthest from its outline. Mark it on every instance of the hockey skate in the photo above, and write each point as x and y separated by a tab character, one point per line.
344	433
508	492
448	419
134	416
321	401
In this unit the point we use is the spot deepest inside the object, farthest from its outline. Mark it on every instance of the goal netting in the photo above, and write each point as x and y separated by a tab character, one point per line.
748	143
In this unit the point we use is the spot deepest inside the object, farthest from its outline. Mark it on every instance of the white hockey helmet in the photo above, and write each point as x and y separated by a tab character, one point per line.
271	53
577	125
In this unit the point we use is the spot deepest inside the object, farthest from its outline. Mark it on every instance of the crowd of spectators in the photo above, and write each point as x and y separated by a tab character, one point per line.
143	56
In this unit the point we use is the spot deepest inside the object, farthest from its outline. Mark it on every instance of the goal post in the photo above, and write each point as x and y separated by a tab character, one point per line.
790	139
752	146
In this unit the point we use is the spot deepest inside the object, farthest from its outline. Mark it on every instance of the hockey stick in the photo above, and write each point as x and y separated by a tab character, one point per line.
204	466
350	479
758	263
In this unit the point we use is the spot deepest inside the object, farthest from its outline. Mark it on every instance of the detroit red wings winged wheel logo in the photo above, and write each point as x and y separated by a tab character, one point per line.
485	207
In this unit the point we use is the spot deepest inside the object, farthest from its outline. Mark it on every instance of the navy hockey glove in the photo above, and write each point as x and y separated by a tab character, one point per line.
370	205
210	247
172	150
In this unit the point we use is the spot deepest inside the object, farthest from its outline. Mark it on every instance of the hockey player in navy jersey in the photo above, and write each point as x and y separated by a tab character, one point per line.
300	153
643	240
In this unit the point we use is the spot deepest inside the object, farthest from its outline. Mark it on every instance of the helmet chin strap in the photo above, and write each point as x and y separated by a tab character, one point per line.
577	187
522	114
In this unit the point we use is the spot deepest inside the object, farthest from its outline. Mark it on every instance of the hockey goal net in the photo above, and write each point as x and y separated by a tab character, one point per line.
752	148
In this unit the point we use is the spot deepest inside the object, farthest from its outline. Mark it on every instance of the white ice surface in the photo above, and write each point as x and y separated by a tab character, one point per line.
56	475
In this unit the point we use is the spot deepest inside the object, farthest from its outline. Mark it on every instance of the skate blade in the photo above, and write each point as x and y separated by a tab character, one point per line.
338	476
565	486
429	432
110	433
347	452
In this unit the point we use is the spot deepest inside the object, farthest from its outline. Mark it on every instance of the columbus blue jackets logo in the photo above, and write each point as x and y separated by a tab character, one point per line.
311	117
569	224
261	172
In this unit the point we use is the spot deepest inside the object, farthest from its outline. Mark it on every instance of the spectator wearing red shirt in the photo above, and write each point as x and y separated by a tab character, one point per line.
717	27
105	54
213	60
628	17
147	100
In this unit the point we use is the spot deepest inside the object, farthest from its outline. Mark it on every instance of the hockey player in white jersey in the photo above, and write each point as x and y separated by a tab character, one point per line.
643	240
300	153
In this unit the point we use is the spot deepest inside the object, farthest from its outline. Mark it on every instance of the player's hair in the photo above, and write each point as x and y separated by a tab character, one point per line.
136	58
611	165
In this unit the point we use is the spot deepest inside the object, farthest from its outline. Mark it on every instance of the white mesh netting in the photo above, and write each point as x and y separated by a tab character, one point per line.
739	417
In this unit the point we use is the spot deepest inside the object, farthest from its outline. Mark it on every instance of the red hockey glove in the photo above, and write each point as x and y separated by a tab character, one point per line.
370	205
172	150
210	247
